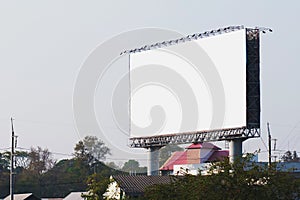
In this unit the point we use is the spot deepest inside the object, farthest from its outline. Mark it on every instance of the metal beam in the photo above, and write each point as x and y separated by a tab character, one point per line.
195	137
195	36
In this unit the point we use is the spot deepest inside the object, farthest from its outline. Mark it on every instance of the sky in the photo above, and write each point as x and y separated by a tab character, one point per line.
43	45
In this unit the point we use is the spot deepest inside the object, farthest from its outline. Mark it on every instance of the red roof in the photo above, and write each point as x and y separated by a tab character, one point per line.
177	158
205	145
180	157
218	155
195	146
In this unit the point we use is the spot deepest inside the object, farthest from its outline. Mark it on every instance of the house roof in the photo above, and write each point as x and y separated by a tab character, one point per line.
21	196
205	145
177	158
218	155
180	157
75	196
136	185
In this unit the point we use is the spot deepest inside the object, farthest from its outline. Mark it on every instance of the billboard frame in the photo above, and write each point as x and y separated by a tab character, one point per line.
252	127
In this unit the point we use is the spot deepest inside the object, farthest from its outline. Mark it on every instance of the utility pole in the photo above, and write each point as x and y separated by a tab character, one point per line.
12	155
275	141
270	139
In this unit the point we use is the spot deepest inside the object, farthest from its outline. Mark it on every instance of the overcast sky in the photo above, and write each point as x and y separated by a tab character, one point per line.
44	43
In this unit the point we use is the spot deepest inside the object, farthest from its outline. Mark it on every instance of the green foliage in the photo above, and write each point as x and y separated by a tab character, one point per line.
288	156
96	147
65	177
98	182
22	160
91	149
37	172
241	180
97	185
40	160
133	166
31	169
4	173
4	161
5	169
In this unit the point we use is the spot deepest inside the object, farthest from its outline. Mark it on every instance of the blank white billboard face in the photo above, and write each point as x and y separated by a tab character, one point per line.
191	86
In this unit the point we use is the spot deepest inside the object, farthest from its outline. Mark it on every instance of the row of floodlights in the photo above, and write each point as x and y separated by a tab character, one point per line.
194	37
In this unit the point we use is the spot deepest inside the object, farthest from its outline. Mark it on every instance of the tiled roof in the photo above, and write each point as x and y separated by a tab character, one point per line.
180	157
194	146
218	155
205	145
136	185
177	158
20	196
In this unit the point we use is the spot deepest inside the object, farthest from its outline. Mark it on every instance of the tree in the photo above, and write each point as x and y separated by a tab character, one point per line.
66	176
98	182
167	151
4	173
295	157
31	170
97	185
40	160
287	157
4	161
133	167
22	161
81	153
290	157
242	180
91	149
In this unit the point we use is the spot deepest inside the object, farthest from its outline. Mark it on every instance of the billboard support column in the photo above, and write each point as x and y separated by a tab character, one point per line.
153	161
235	149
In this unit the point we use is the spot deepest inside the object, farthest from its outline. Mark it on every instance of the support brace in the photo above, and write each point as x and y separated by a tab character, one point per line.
153	161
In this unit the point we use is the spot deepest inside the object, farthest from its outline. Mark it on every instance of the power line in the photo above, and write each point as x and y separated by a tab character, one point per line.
264	143
45	122
291	131
52	152
4	149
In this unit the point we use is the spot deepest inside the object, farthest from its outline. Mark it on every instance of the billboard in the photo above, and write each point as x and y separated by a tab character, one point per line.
191	86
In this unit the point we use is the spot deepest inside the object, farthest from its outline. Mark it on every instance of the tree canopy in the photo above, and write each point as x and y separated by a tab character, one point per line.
241	180
91	149
288	156
133	167
37	171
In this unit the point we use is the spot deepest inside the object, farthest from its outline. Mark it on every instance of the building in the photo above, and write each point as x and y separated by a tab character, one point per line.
75	196
194	155
27	196
133	186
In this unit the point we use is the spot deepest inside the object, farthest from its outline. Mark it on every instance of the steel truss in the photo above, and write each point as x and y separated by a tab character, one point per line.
195	36
252	78
195	137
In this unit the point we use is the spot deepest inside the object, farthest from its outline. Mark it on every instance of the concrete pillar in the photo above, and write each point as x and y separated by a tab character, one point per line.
153	161
235	149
